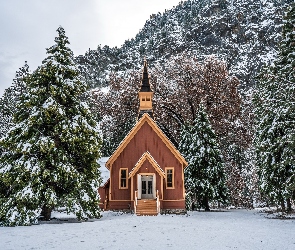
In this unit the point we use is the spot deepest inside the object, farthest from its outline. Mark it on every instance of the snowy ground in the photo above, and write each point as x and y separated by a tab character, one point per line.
232	229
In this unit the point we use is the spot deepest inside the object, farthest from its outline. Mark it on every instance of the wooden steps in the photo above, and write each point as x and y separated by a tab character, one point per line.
146	207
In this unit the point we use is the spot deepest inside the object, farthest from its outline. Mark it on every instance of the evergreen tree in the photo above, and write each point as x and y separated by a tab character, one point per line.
275	116
10	98
185	146
8	103
52	151
205	178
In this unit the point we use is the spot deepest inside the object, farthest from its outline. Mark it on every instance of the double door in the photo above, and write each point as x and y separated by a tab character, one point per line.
146	186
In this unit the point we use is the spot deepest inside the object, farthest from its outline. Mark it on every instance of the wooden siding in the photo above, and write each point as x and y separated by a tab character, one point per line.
120	205
145	119
146	139
103	193
174	204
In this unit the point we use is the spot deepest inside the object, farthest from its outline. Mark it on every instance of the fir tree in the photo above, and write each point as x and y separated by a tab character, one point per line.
185	147
8	103
10	98
205	178
52	151
275	115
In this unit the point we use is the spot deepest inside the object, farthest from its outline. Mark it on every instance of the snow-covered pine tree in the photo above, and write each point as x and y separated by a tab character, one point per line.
185	148
52	150
275	116
205	177
10	98
8	103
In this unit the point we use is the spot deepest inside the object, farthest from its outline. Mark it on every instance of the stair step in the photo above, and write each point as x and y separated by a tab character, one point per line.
146	207
140	214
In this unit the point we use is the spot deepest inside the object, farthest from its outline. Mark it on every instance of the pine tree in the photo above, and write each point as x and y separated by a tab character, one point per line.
275	116
8	103
52	151
185	146
10	98
205	178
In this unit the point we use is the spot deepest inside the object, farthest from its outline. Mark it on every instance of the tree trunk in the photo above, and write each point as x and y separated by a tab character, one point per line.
206	203
283	205
289	205
193	206
46	212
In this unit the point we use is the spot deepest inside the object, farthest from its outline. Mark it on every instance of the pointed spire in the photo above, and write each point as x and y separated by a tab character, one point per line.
145	82
145	94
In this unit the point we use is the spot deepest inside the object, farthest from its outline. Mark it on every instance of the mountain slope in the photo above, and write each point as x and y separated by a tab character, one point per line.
243	33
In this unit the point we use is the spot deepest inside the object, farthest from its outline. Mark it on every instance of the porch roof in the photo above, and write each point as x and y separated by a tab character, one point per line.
143	158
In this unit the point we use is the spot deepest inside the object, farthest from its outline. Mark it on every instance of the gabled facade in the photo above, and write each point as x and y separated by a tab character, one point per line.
146	167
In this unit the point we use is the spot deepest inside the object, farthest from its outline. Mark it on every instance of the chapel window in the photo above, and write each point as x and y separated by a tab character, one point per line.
123	178
169	177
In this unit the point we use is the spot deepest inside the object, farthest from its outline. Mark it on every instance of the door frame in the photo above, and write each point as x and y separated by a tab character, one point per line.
139	187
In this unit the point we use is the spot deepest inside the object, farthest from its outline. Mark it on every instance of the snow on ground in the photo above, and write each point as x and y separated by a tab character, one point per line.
232	229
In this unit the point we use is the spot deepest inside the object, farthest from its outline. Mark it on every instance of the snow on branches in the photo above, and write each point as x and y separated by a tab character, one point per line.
51	152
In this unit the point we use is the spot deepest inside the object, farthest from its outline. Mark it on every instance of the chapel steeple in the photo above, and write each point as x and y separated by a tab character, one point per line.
145	93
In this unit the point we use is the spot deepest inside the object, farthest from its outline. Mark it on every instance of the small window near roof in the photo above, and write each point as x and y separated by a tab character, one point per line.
123	178
170	178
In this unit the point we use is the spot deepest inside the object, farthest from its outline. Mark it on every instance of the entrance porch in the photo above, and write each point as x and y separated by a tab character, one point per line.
147	200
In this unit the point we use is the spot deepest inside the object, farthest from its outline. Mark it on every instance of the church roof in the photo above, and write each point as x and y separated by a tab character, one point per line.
145	119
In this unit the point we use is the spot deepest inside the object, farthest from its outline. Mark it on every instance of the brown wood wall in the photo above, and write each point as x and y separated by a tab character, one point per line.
146	139
103	193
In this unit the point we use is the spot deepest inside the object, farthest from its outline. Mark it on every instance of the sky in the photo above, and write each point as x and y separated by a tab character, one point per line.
28	27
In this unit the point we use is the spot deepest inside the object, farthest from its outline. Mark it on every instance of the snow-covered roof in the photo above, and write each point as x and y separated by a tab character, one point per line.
105	173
